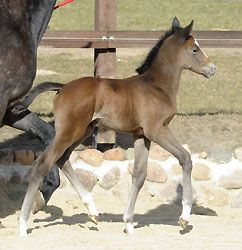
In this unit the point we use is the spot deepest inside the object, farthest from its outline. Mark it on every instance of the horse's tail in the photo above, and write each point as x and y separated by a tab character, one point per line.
34	92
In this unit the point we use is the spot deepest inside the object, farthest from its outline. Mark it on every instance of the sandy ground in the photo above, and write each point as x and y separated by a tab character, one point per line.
63	224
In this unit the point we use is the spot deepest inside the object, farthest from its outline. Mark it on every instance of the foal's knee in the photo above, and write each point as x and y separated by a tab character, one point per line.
186	161
138	176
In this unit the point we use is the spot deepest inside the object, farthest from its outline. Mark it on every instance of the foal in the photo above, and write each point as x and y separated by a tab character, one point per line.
142	105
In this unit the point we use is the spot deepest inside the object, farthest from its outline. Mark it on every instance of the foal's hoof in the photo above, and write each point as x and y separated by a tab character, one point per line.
183	223
94	218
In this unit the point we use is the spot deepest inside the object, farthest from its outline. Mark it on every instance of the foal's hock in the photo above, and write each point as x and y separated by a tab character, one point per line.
142	105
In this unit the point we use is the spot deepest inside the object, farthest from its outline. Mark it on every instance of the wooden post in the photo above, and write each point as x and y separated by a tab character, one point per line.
105	59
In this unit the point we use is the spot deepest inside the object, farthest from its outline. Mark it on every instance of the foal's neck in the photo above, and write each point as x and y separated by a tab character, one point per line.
167	73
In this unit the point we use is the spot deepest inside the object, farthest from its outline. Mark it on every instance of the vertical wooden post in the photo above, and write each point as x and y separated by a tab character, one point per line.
105	59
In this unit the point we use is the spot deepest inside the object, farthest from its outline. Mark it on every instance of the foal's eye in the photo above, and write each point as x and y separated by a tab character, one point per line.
195	50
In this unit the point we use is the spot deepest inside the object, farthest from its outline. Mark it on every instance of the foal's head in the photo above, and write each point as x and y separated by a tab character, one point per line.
177	46
191	55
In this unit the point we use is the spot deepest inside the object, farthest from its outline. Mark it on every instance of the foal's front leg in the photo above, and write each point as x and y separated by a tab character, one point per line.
166	140
141	147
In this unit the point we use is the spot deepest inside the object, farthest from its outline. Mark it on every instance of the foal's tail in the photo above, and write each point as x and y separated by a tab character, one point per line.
34	92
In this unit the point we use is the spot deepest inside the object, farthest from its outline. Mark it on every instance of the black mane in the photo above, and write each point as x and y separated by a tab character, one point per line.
153	52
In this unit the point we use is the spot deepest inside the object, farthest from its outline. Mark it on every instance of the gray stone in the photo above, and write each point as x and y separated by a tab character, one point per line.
16	195
110	179
92	157
233	181
238	201
201	172
6	156
15	178
172	193
114	154
158	153
87	178
220	156
238	153
216	196
155	172
129	155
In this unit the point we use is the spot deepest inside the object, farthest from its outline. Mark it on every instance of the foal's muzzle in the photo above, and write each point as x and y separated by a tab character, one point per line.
209	70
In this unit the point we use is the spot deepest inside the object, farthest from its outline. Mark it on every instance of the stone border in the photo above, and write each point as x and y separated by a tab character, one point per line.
216	176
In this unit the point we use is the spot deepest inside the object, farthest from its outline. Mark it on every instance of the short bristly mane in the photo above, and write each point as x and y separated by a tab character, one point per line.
153	52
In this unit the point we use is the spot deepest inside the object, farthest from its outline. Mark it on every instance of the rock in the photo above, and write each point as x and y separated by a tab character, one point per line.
155	172
201	172
122	189
1	225
27	175
203	155
16	195
2	177
74	157
115	154
129	154
15	178
176	169
24	157
88	178
233	181
172	193
92	157
110	179
158	153
6	156
220	156
238	153
238	201
215	196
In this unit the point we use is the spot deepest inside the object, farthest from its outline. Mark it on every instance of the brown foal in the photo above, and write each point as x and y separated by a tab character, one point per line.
142	105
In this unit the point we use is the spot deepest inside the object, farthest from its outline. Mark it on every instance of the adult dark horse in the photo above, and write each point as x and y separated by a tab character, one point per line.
22	25
142	105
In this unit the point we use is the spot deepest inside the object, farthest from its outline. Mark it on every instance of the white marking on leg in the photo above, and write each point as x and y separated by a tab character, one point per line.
129	227
186	211
87	199
22	227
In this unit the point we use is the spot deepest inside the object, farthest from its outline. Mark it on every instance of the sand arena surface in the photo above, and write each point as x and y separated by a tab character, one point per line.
64	224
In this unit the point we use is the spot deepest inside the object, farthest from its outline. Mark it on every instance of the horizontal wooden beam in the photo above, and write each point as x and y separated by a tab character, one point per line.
134	39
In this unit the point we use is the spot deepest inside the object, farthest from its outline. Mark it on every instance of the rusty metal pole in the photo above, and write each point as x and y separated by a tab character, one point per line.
105	59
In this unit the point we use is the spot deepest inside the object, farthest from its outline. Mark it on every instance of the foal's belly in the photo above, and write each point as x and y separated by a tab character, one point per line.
116	122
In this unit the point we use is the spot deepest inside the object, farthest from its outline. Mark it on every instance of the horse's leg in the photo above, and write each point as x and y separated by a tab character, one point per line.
167	141
67	169
39	170
33	125
141	146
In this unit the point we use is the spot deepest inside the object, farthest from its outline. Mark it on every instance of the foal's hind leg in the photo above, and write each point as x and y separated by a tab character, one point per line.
40	169
141	146
167	141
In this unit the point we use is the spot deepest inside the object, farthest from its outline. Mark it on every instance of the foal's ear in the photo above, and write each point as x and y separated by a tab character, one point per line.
185	33
175	24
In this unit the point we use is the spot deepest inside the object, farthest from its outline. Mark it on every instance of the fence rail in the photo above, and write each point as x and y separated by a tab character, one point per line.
134	39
